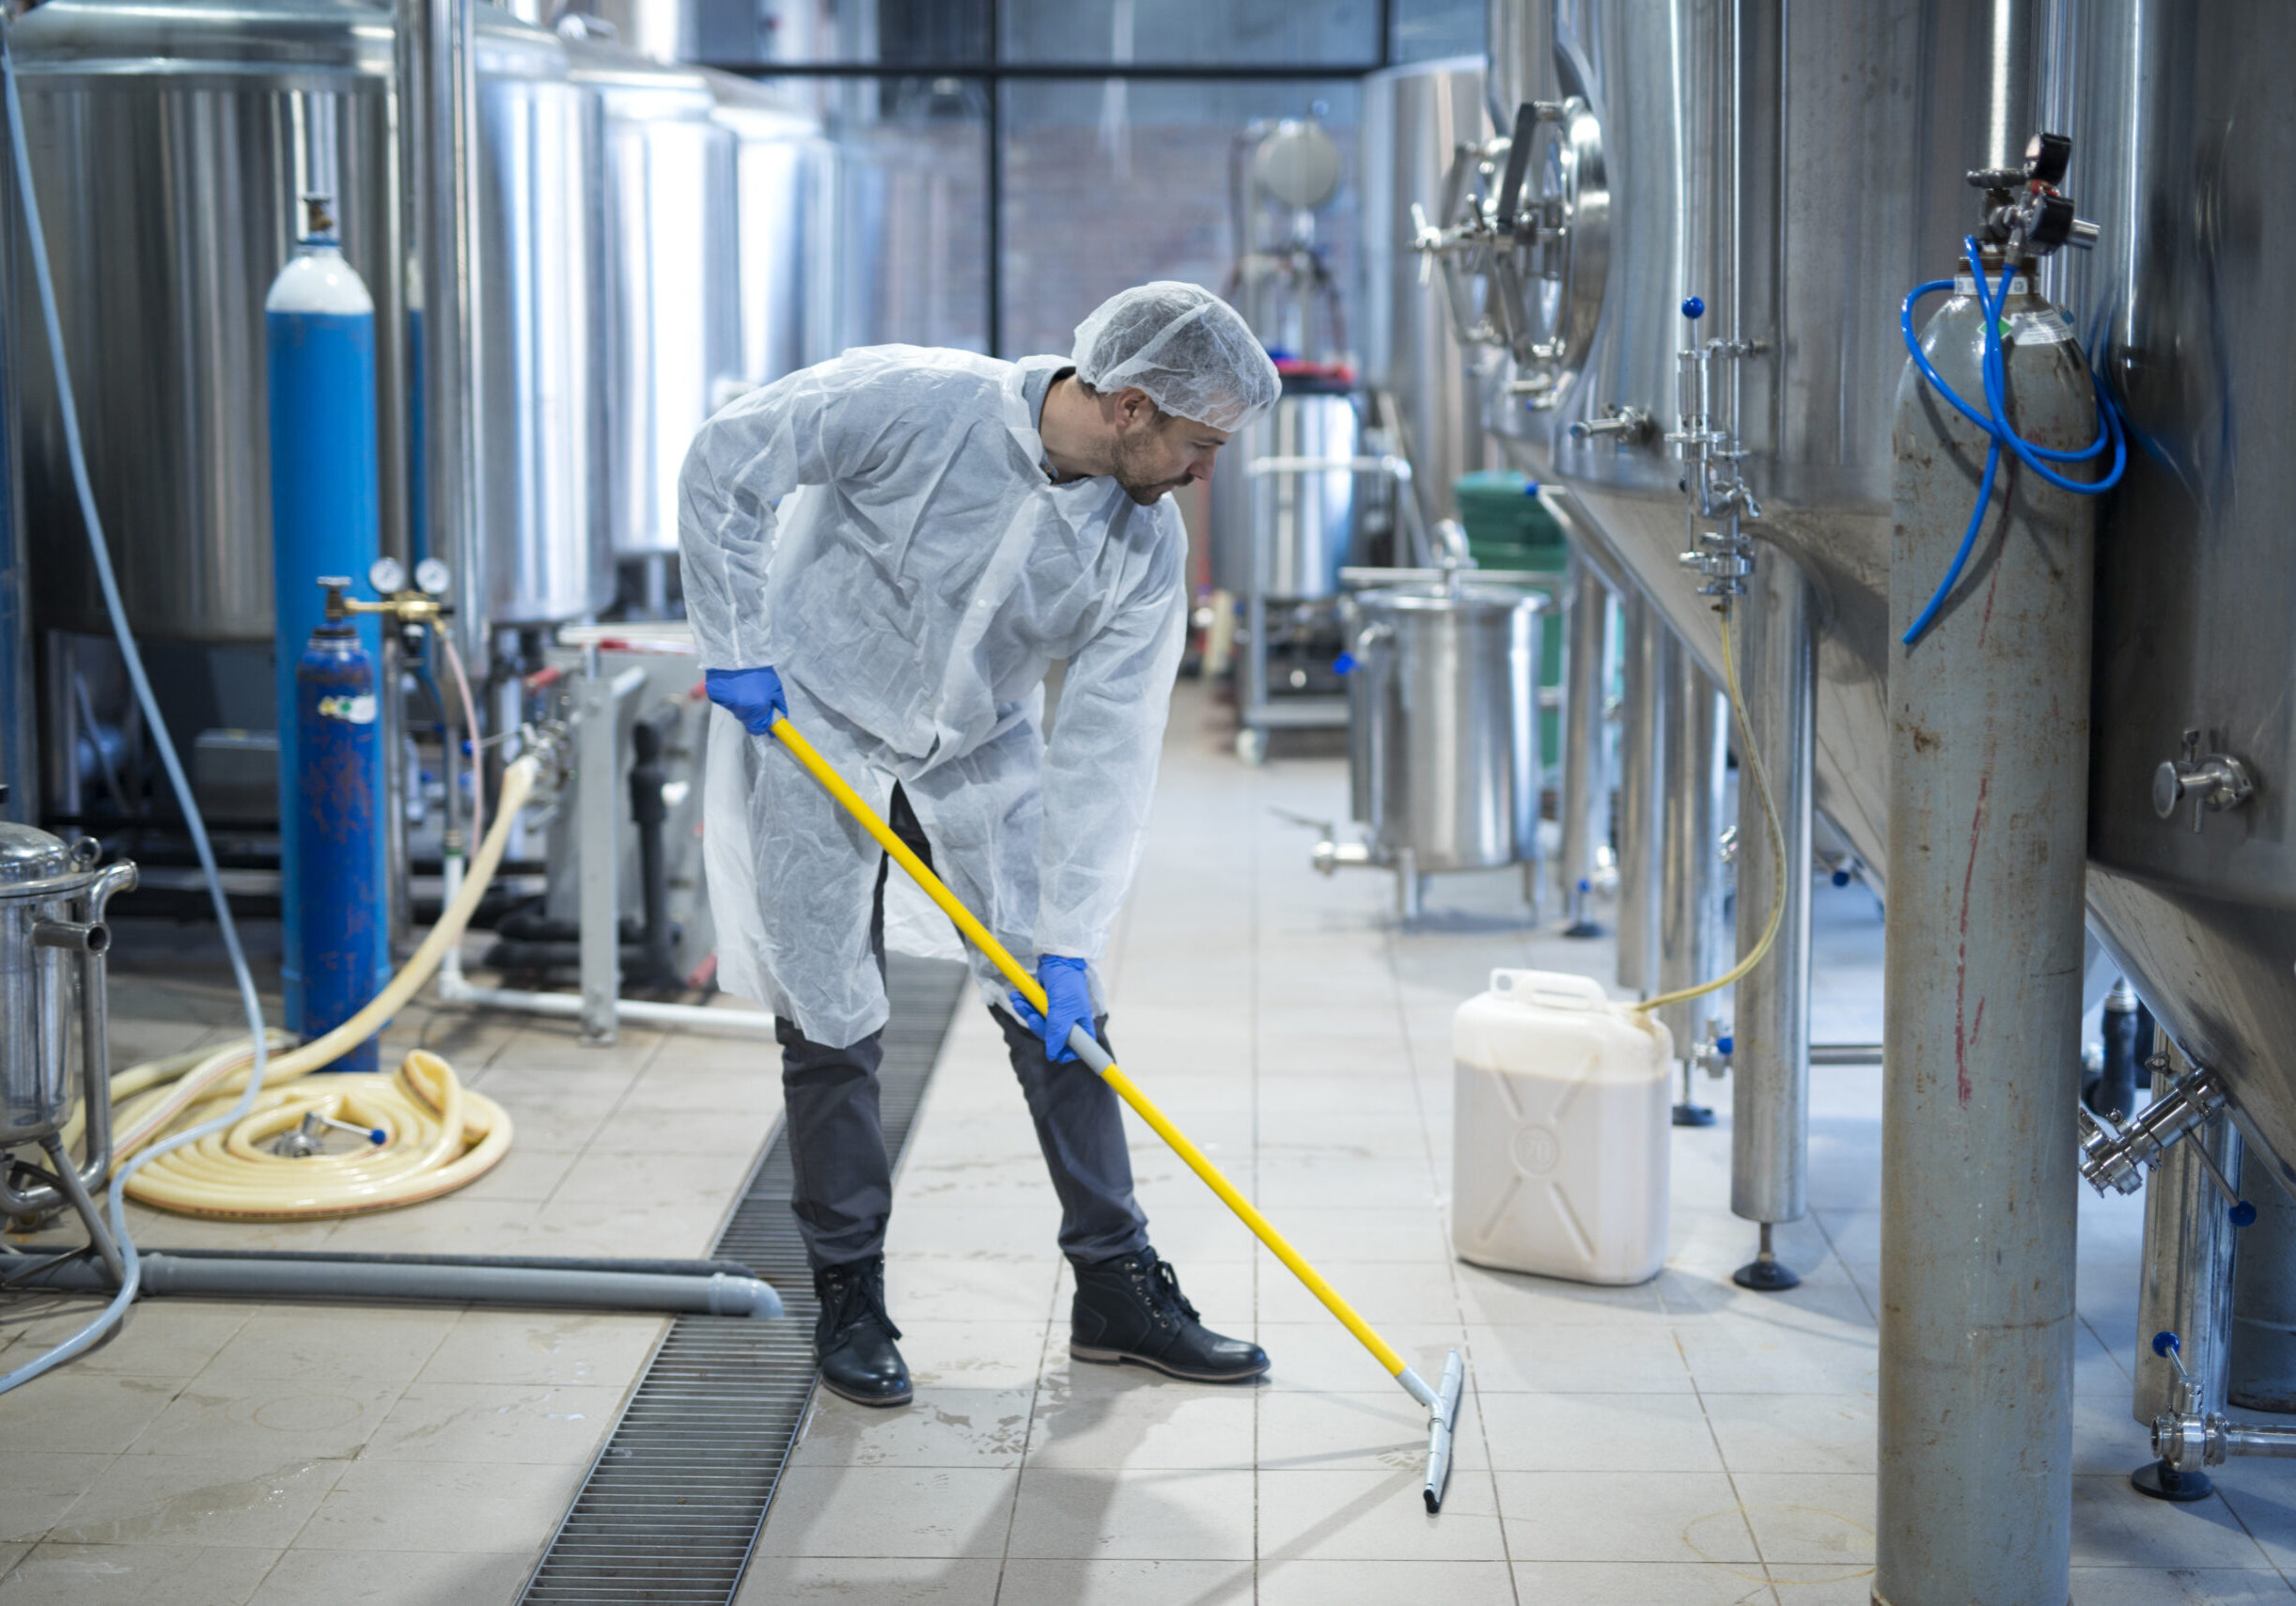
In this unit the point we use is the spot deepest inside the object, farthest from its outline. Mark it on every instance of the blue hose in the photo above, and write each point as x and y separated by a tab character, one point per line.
134	661
1994	422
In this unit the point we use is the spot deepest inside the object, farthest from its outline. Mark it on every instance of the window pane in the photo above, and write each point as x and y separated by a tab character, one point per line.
1109	183
764	33
1224	33
1429	30
911	199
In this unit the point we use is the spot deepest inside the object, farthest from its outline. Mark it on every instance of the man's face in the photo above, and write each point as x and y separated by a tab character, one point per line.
1158	452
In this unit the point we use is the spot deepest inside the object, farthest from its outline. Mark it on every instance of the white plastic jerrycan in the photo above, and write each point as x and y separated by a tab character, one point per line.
1559	1144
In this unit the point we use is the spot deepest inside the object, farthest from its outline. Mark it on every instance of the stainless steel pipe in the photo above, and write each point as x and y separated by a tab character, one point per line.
1770	1026
1645	665
1584	804
2187	1266
1690	844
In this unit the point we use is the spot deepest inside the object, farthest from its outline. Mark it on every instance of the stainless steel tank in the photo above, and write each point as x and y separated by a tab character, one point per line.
540	413
781	169
1798	180
168	145
1445	743
1299	517
671	260
1413	118
2187	111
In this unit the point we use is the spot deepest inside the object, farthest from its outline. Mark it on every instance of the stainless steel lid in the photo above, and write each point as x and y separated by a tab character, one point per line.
1468	597
232	38
29	854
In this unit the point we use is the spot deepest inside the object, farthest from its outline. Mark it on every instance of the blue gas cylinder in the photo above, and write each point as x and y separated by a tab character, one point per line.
325	502
339	825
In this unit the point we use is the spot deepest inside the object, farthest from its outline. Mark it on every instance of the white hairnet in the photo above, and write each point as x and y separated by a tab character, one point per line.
1189	351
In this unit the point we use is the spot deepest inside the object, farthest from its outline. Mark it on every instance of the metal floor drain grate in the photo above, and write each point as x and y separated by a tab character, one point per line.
675	1501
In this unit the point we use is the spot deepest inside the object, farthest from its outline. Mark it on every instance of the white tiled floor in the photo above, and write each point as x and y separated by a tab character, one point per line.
1680	1442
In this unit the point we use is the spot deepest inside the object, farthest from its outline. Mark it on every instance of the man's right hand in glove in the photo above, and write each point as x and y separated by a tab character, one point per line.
754	695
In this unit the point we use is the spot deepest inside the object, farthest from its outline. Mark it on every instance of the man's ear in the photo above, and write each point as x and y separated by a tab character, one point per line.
1135	407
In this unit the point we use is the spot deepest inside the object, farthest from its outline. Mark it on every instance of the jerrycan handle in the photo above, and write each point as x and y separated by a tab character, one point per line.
1550	990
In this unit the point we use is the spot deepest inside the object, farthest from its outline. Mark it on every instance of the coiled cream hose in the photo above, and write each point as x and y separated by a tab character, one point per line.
438	1135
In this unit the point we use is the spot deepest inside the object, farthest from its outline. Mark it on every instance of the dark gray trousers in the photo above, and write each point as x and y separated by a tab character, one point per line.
843	1192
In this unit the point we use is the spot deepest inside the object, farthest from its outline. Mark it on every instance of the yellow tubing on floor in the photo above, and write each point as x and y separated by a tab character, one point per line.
438	1134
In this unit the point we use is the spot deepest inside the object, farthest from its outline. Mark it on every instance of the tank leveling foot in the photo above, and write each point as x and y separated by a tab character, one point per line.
2161	1481
1765	1274
1689	1113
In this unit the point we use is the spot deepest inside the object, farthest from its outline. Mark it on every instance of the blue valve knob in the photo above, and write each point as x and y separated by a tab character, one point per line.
2243	1214
1530	488
1586	885
1841	878
2165	1344
1725	1045
1344	664
1693	309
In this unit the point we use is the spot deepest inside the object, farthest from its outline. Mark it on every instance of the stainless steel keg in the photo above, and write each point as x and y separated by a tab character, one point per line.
52	940
1444	759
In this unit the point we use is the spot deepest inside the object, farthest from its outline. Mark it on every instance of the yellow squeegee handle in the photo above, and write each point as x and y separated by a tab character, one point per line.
1093	1054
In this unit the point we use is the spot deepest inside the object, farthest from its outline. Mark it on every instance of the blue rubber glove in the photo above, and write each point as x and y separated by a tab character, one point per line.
754	696
1070	996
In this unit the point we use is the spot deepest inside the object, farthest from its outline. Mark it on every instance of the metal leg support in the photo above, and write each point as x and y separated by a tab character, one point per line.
1690	834
1770	1096
1585	791
601	973
1639	748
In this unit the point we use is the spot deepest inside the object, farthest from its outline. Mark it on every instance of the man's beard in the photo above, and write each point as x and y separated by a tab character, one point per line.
1132	472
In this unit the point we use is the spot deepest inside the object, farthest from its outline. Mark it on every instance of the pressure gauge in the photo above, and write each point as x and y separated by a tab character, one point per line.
387	576
433	577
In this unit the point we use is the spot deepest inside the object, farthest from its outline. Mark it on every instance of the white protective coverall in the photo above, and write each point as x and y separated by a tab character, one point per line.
926	576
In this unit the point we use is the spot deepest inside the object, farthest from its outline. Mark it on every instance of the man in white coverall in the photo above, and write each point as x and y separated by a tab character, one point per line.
949	526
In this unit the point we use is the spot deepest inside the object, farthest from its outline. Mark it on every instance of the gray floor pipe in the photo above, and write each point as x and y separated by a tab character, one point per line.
619	1264
1769	1063
287	1278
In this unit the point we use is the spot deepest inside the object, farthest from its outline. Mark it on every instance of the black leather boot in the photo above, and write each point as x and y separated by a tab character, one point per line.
1130	1309
853	1337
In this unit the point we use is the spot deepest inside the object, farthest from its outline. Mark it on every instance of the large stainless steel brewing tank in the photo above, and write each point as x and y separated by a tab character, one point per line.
780	181
538	414
2187	309
672	281
1844	133
1443	727
167	144
1414	118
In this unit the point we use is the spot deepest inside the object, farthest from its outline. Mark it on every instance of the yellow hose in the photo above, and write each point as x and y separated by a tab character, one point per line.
439	1135
1777	841
824	771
